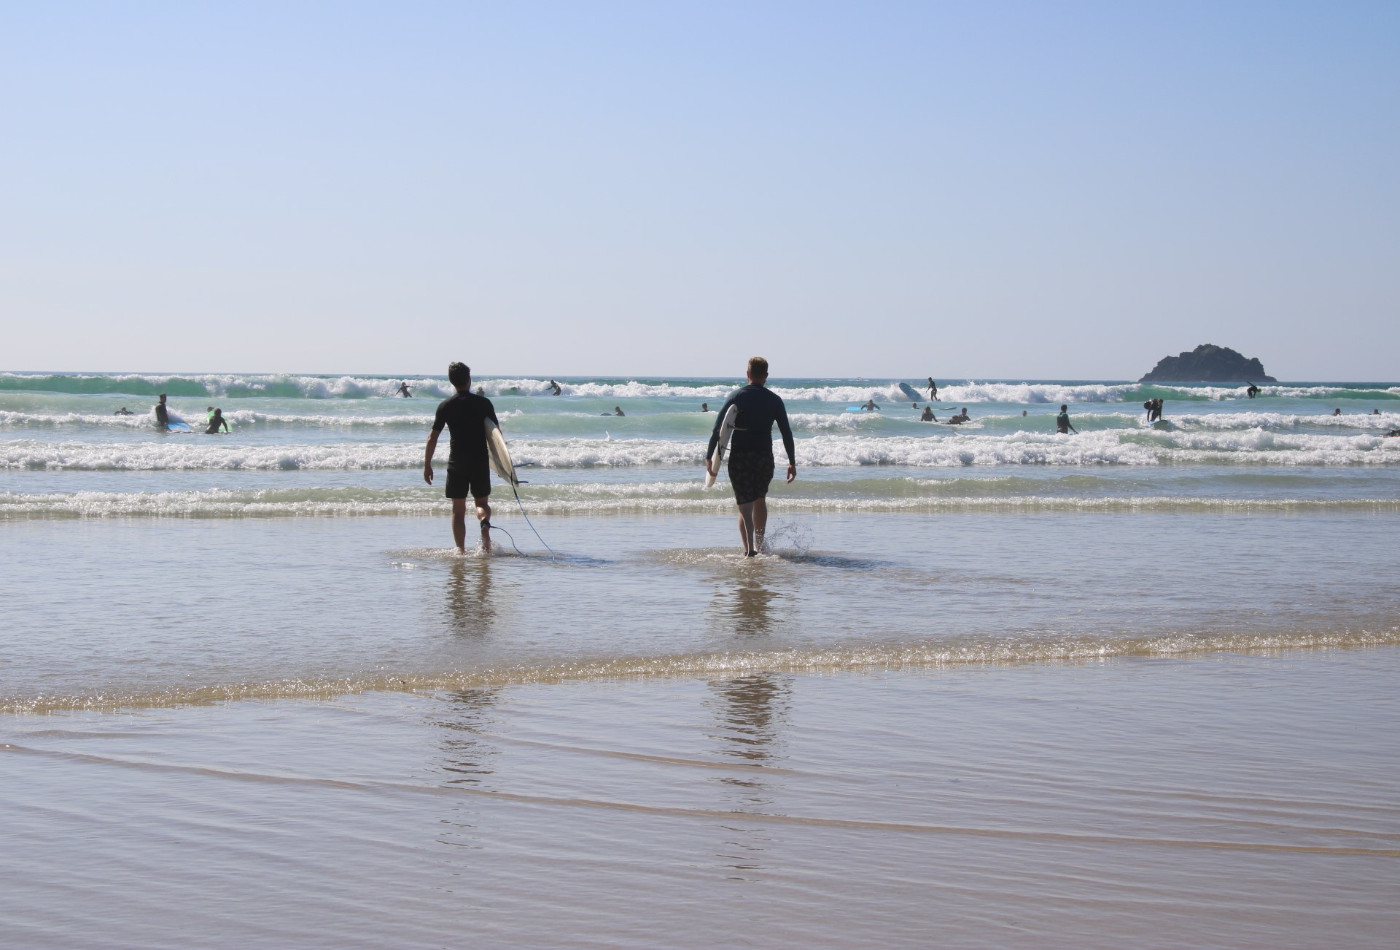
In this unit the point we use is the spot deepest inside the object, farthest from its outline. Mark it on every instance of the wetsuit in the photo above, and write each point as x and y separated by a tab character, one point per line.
215	421
162	416
468	462
751	446
1062	423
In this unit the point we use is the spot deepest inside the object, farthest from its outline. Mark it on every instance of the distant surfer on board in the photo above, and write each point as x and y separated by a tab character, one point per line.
751	451
468	459
404	391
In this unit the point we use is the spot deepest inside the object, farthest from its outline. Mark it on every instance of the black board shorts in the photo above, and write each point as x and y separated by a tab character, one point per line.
469	481
750	473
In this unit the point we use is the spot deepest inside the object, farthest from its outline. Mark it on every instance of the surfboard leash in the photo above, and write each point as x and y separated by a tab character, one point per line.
530	523
508	535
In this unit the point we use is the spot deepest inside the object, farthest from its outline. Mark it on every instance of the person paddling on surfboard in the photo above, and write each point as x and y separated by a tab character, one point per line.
468	460
751	451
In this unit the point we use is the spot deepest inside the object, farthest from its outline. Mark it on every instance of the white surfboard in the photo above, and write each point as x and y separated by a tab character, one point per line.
726	429
500	455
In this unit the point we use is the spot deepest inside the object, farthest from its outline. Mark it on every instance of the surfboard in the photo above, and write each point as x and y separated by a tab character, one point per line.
500	455
726	429
909	391
176	425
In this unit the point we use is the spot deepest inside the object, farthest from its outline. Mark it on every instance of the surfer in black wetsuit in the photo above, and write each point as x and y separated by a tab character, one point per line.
932	389
928	415
751	451
1062	424
1252	391
215	421
468	460
404	390
162	414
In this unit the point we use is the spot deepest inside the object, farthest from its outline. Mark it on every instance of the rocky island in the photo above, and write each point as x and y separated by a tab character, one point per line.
1208	363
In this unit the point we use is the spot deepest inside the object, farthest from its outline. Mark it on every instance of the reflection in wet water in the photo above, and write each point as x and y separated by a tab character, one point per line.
471	610
749	713
467	761
746	600
466	748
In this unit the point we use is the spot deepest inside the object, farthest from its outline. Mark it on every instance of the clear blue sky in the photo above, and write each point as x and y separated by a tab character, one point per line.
986	189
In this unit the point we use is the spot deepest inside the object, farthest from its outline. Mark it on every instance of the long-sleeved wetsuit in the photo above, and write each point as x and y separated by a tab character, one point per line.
759	408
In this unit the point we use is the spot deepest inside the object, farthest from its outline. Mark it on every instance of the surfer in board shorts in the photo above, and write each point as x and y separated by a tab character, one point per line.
751	451
468	460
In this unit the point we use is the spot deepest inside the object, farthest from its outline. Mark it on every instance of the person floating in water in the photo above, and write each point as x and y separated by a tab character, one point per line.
870	406
162	413
216	419
468	460
932	389
123	411
404	391
1252	391
704	407
617	411
751	451
928	415
960	418
1337	411
1062	424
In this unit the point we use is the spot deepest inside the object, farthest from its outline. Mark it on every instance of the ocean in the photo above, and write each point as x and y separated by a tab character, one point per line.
989	686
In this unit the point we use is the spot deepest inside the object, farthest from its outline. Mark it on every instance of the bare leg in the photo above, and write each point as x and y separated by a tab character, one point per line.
459	523
746	526
483	515
760	523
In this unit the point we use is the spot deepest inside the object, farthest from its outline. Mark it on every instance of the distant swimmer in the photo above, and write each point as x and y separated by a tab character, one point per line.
928	415
123	411
1023	413
162	413
468	460
1062	423
481	391
1252	391
960	418
870	406
704	407
215	421
404	391
751	451
617	411
1375	412
932	389
208	414
1337	411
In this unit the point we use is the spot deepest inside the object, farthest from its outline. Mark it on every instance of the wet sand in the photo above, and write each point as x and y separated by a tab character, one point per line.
1224	801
